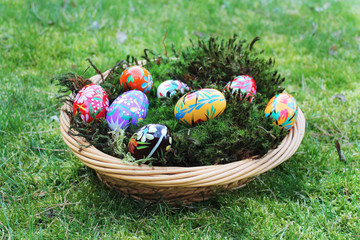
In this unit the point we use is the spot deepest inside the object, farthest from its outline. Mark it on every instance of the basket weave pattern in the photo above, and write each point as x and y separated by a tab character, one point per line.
173	184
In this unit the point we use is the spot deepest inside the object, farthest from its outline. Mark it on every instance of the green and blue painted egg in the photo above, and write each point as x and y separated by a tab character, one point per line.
199	106
127	109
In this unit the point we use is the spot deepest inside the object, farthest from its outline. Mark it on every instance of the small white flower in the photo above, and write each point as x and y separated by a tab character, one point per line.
144	134
163	132
152	129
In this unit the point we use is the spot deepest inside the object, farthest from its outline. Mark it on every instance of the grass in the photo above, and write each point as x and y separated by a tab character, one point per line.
47	193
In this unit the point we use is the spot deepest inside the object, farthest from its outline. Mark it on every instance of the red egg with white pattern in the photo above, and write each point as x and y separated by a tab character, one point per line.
91	103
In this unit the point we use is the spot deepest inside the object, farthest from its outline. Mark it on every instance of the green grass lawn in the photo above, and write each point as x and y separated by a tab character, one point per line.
46	192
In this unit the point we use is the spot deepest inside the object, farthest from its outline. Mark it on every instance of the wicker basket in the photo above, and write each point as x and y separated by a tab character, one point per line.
177	184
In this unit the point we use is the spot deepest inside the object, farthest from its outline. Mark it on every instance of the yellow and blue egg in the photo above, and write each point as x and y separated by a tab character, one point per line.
199	106
283	109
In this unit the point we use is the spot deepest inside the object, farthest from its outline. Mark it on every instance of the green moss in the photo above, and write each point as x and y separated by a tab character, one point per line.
242	131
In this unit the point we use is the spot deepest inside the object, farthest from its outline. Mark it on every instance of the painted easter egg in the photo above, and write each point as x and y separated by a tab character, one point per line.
136	78
169	88
127	109
243	84
283	109
91	102
152	140
199	106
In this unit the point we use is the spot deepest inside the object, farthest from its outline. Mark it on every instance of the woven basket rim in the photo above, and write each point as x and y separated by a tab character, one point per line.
186	177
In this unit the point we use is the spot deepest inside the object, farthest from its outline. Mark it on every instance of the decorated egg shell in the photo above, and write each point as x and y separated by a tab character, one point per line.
243	83
199	106
169	88
127	109
91	102
136	78
283	109
152	140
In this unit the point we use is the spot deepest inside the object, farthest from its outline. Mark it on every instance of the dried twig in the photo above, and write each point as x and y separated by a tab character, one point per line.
85	71
257	177
340	152
253	42
267	132
96	69
163	42
40	194
55	150
55	206
39	132
65	201
7	229
45	92
115	67
322	130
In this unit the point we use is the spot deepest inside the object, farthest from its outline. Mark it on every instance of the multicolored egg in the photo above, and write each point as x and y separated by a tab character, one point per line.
244	84
169	88
283	109
136	78
152	140
199	106
127	109
91	102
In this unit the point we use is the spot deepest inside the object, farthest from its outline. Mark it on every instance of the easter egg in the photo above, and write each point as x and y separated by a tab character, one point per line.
127	109
199	106
152	140
91	102
283	109
243	84
169	88
136	78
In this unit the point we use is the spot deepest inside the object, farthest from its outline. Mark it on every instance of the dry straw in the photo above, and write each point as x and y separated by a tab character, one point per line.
177	184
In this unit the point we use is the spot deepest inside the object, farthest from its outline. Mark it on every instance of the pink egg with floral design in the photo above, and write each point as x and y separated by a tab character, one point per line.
91	103
242	84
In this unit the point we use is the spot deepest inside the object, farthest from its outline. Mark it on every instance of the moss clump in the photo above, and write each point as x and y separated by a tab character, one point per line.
242	131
